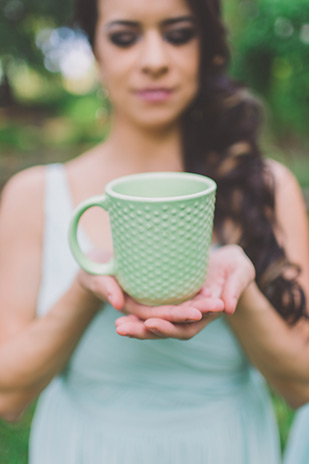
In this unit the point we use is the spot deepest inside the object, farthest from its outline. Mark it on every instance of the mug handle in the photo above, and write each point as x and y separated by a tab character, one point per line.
85	263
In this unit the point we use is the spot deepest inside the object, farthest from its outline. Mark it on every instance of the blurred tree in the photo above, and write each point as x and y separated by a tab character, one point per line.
20	21
271	54
270	41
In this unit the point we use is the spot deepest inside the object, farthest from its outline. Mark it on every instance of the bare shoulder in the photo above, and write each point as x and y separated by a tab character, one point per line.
24	185
287	188
22	197
280	172
292	219
21	232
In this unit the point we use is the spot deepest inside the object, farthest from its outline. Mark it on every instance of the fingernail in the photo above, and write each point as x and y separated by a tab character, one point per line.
121	332
156	332
110	298
189	319
198	315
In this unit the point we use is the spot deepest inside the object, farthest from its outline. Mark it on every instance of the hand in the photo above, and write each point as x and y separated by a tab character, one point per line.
230	272
99	288
181	321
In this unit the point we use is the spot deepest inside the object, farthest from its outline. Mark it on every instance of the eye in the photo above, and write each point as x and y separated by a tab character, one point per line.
123	39
180	36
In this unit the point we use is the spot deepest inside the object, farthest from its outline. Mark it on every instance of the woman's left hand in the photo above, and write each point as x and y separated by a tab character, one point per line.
230	272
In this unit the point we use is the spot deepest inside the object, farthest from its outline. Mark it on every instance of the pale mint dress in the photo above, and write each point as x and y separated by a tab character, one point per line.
297	450
125	401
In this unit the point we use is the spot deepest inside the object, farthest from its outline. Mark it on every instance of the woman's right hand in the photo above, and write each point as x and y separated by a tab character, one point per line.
98	288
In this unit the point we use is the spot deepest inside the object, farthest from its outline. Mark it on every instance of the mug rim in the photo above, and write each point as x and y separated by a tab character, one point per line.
209	188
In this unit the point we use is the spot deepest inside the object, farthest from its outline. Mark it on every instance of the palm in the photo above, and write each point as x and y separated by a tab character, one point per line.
230	272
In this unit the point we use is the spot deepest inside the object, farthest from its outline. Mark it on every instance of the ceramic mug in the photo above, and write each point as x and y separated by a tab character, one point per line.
161	224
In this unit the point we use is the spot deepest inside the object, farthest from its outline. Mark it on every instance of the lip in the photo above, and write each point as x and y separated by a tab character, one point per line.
154	94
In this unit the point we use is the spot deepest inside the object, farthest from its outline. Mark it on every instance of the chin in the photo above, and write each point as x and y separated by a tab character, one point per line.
158	119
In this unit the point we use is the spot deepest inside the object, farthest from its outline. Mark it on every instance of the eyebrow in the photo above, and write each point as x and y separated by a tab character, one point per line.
166	22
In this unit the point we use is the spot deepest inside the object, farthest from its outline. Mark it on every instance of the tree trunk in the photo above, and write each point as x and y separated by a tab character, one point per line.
6	94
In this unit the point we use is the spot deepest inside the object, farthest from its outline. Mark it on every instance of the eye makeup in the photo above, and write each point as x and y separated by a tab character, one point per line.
180	35
176	31
123	38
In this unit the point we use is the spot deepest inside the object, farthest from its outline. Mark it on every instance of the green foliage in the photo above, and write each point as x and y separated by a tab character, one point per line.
270	45
14	441
21	20
285	417
270	49
14	438
65	122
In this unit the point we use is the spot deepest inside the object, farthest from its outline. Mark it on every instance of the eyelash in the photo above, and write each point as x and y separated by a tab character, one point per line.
174	37
180	36
123	39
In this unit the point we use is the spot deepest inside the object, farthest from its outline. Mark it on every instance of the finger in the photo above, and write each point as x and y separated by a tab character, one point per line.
107	288
205	291
125	319
206	305
174	313
232	291
135	329
165	329
215	283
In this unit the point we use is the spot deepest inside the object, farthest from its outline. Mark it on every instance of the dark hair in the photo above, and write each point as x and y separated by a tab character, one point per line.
220	140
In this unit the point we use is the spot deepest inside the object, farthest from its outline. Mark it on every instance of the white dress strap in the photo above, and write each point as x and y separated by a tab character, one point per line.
57	191
58	266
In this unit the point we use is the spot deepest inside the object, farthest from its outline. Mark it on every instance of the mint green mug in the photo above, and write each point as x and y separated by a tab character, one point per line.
161	224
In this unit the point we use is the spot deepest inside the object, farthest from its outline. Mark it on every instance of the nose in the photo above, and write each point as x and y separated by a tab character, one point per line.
154	55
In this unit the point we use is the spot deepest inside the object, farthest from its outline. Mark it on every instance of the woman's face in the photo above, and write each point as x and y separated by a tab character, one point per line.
148	58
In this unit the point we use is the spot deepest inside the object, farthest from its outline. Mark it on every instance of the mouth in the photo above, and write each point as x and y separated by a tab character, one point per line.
159	94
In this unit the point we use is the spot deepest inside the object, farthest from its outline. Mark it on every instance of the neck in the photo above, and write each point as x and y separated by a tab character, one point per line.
144	149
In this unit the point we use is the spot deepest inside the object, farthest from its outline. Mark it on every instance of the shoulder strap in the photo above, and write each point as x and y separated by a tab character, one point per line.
57	193
58	266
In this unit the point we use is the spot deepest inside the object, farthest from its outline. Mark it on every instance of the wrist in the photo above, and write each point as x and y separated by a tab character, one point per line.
251	302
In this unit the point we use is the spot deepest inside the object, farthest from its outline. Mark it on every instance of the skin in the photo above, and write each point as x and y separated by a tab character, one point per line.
280	351
150	61
143	137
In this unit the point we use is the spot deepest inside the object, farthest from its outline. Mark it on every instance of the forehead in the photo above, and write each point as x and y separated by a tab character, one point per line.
141	10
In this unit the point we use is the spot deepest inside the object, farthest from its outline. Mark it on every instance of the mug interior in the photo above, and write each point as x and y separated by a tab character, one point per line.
161	185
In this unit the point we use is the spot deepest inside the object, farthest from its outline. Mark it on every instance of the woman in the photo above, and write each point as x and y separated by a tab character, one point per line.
112	399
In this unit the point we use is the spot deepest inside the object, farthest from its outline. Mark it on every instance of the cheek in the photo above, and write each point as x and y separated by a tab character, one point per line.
115	69
193	67
188	64
190	71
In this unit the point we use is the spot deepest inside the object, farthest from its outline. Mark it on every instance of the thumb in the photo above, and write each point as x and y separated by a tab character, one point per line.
107	288
234	286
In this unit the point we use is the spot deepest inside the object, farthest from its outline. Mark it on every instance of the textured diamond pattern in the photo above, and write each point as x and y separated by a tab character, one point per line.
161	251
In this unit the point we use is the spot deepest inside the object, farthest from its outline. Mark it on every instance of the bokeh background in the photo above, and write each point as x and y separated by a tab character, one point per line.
52	108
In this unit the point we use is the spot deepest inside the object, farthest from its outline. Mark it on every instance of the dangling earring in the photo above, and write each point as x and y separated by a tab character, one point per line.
103	113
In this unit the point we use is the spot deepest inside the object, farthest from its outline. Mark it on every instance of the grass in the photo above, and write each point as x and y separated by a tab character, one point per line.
14	438
285	417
